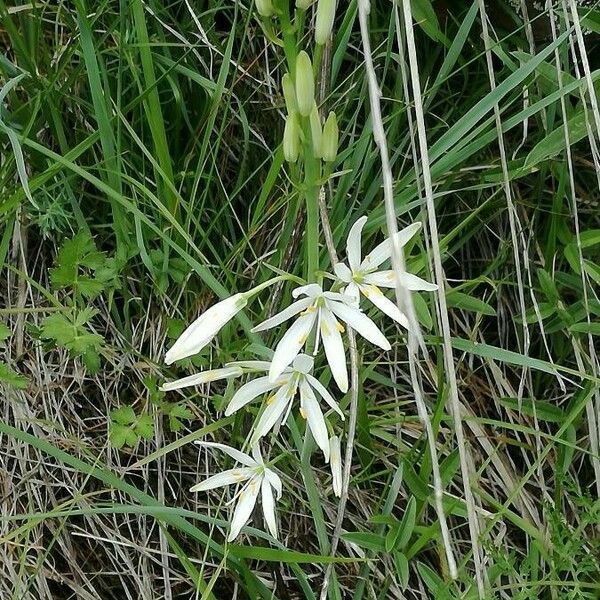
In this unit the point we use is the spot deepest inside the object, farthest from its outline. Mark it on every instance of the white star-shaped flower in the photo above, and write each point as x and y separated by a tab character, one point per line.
283	391
322	309
256	477
362	276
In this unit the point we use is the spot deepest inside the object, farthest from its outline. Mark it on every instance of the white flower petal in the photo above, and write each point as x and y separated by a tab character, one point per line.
303	363
257	455
200	378
334	348
353	250
205	327
275	408
268	506
385	305
335	461
322	391
284	315
353	294
248	392
235	454
244	508
225	478
383	252
315	418
342	272
408	281
291	343
312	290
275	482
361	324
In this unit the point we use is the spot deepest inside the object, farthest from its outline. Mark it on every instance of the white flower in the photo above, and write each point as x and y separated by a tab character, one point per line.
205	327
257	477
363	277
320	308
279	404
335	462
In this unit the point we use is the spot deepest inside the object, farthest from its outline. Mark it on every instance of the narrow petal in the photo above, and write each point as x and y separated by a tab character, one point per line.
360	323
312	290
284	315
224	478
322	391
353	250
257	455
409	281
303	363
342	272
383	252
268	506
200	378
291	343
275	481
244	508
315	418
275	408
336	464
334	348
205	327
235	454
385	305
248	392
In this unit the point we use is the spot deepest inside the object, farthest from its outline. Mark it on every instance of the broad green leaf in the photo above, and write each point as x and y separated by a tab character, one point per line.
469	303
12	378
366	540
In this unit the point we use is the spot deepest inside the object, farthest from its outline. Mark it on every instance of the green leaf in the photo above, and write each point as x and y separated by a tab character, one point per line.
593	328
118	435
466	302
5	332
12	378
542	409
145	427
124	415
365	539
407	525
432	580
401	564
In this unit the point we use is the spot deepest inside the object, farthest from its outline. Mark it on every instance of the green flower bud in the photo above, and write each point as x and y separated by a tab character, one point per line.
324	24
303	4
329	142
305	84
289	94
316	133
265	8
291	139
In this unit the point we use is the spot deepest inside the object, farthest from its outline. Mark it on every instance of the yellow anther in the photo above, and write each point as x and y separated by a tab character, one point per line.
325	328
391	276
365	291
340	327
302	339
302	413
375	290
270	399
311	309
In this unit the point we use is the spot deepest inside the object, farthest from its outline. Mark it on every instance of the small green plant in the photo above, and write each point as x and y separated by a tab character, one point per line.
7	375
127	428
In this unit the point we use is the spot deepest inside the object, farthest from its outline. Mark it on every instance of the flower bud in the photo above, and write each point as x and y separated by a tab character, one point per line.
303	4
264	8
305	84
289	94
316	132
329	141
291	139
324	22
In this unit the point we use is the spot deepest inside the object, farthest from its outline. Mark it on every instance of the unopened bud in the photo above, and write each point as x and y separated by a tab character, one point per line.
325	18
316	132
291	139
265	8
289	94
305	84
329	142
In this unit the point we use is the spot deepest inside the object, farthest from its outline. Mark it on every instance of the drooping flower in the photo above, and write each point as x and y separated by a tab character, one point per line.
293	380
362	275
256	478
205	327
335	462
323	309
